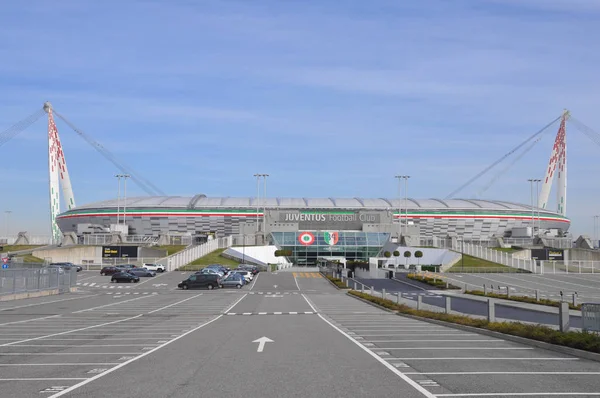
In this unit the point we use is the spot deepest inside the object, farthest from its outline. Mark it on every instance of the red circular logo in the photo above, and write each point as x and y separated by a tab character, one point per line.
306	238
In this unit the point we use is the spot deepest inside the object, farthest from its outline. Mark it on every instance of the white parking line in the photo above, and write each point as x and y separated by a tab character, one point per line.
407	379
47	302
254	282
70	331
296	280
504	373
521	394
108	305
458	348
46	379
486	358
179	302
29	320
58	364
76	386
435	341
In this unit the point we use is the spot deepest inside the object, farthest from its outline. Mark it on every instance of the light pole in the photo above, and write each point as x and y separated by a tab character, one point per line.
118	176
531	180
405	178
125	177
595	230
257	197
537	198
258	177
399	207
7	212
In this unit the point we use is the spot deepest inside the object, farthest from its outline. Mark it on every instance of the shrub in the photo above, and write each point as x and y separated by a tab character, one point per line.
430	268
337	282
396	253
387	254
580	340
439	283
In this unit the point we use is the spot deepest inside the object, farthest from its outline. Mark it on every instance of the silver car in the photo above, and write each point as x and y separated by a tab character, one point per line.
233	280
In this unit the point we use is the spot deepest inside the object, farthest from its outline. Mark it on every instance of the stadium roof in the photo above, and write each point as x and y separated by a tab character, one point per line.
202	201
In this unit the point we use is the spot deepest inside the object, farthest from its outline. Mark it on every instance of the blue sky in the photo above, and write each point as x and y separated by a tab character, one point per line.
330	98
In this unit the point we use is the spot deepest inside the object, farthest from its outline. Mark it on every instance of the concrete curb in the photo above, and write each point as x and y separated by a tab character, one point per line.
26	295
517	339
332	284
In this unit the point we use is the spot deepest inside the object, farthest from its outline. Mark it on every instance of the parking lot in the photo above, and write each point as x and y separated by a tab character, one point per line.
56	348
156	340
587	286
448	362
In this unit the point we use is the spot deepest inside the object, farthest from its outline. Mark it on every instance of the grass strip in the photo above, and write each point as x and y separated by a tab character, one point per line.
523	299
586	341
436	282
337	282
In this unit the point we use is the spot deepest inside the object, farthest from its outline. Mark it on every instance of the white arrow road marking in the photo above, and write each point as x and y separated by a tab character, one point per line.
261	343
275	286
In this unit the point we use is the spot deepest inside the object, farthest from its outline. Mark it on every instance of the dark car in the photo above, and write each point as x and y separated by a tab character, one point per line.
141	272
109	270
124	277
198	281
125	266
248	267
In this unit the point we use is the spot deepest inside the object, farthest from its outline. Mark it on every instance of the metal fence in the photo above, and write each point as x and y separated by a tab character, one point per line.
190	254
568	267
23	280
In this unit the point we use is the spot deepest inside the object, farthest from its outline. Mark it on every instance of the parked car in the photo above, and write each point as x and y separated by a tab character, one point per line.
234	280
155	267
211	271
68	266
248	267
109	270
197	281
126	266
247	275
124	277
141	272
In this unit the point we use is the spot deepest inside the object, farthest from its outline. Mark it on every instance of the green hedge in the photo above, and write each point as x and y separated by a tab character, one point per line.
523	299
439	283
580	340
337	282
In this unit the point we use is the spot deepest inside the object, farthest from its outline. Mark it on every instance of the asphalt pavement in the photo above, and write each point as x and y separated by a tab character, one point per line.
284	335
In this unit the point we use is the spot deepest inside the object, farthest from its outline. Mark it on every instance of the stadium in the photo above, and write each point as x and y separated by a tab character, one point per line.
310	227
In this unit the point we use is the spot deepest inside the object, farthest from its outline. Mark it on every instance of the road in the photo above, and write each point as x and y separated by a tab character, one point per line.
285	335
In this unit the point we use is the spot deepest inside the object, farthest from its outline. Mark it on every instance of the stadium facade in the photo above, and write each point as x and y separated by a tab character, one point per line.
313	227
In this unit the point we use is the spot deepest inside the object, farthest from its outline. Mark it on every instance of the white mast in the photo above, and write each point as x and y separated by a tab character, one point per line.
558	157
58	175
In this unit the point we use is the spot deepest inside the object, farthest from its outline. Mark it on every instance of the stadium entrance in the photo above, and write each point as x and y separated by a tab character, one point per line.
308	247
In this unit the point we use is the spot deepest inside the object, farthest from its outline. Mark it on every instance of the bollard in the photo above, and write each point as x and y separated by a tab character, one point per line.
419	301
491	311
362	288
447	285
575	299
398	296
537	295
355	285
372	288
564	317
383	293
561	296
484	290
507	291
448	304
347	282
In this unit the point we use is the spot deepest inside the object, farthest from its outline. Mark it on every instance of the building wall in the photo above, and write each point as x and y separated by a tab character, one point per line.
242	221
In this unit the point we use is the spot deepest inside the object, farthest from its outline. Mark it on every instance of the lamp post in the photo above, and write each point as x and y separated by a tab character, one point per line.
537	199
125	177
531	180
118	176
258	177
595	230
405	178
7	212
399	178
